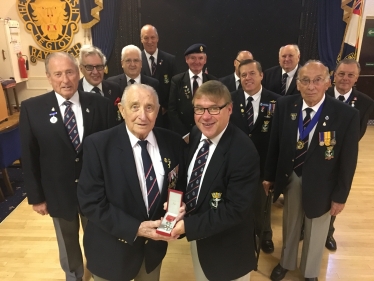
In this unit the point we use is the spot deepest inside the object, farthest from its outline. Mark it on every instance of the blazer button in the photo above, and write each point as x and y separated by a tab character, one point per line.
146	241
286	175
76	180
250	135
76	159
292	160
181	112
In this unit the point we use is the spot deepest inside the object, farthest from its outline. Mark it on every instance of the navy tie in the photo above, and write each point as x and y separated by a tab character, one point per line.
71	125
341	98
195	178
96	90
249	112
153	192
284	83
195	84
153	65
300	153
132	81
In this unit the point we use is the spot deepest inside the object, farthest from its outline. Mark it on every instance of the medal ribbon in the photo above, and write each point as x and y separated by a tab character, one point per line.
304	132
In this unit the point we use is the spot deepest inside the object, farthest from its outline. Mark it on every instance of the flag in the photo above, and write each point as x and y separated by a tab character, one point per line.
352	31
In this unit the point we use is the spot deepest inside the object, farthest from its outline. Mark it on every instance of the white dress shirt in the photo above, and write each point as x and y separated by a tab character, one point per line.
76	107
154	153
137	80
87	87
255	103
346	96
212	148
199	80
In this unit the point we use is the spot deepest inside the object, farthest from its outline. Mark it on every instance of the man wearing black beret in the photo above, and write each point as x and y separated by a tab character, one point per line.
183	86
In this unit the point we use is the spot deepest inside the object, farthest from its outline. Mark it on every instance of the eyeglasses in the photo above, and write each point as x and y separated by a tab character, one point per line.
135	61
214	110
342	74
317	81
89	67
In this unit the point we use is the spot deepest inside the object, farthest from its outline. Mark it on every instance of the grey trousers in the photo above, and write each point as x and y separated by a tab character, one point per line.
315	231
67	234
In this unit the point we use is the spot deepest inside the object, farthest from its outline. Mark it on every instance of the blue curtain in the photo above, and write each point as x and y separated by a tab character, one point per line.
331	29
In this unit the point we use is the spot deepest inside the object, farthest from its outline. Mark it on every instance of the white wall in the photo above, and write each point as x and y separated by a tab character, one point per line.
37	83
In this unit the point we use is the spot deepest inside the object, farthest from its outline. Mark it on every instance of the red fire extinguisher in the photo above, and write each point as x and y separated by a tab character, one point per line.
22	65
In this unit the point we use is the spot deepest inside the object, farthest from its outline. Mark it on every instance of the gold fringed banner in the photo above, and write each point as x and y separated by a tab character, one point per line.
95	13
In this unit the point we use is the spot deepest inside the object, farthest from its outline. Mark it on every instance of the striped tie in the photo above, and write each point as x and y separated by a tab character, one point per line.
284	83
300	153
153	65
195	178
153	192
249	112
71	125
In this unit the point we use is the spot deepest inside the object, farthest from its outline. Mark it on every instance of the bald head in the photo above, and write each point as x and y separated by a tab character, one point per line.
149	38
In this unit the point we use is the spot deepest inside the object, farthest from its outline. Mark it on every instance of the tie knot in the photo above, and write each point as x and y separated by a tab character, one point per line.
143	144
308	110
249	99
96	90
152	58
341	98
132	81
195	77
207	142
67	103
285	76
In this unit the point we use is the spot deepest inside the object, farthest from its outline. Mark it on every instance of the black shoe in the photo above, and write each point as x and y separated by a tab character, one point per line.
267	246
311	279
278	273
331	243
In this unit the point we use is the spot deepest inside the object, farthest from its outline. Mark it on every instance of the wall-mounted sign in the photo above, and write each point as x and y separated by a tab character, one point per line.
52	24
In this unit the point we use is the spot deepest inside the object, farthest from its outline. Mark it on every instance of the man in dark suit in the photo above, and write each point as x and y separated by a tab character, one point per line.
222	180
281	79
132	65
53	127
253	108
157	64
232	81
311	160
182	89
346	74
92	64
115	195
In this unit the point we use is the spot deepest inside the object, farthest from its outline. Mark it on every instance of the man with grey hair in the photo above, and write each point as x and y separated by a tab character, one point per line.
157	64
311	160
232	81
92	64
281	79
53	127
125	179
131	61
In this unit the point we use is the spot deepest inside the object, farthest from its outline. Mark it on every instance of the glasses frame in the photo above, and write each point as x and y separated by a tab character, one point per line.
209	108
98	67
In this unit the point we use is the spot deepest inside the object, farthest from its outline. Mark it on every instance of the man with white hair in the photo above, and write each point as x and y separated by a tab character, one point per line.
131	61
281	79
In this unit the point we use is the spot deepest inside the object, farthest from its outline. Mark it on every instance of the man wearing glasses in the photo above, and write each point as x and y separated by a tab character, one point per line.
132	65
345	76
232	81
222	178
92	64
311	160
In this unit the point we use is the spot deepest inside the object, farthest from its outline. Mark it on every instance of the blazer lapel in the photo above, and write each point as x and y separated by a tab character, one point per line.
145	65
187	82
88	113
294	117
127	162
261	113
241	108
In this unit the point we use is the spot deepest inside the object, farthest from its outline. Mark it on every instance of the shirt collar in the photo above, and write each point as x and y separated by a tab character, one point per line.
346	96
316	107
137	79
291	73
216	139
74	99
134	140
87	87
200	75
155	54
255	96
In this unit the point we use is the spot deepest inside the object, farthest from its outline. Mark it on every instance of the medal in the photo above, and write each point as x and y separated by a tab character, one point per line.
329	153
53	119
333	138
327	136
265	127
300	144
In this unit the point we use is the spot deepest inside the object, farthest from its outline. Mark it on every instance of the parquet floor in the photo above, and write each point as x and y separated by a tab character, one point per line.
28	250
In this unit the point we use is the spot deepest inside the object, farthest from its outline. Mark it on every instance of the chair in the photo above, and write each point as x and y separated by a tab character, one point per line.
10	151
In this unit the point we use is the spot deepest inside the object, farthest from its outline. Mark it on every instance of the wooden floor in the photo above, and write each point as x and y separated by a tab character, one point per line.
28	249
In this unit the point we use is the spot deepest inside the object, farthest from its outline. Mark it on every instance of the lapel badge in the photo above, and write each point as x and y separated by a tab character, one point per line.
166	79
167	160
53	109
265	127
293	116
324	124
87	110
216	198
160	63
201	48
327	118
53	119
110	92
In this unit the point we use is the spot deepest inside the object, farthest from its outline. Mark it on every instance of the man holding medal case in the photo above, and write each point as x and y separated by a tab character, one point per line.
311	160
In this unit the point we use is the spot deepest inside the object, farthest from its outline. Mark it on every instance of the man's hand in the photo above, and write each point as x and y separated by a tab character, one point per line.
148	229
336	208
182	210
267	186
178	229
41	208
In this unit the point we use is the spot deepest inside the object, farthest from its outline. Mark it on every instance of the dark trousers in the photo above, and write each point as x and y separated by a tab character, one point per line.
258	209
